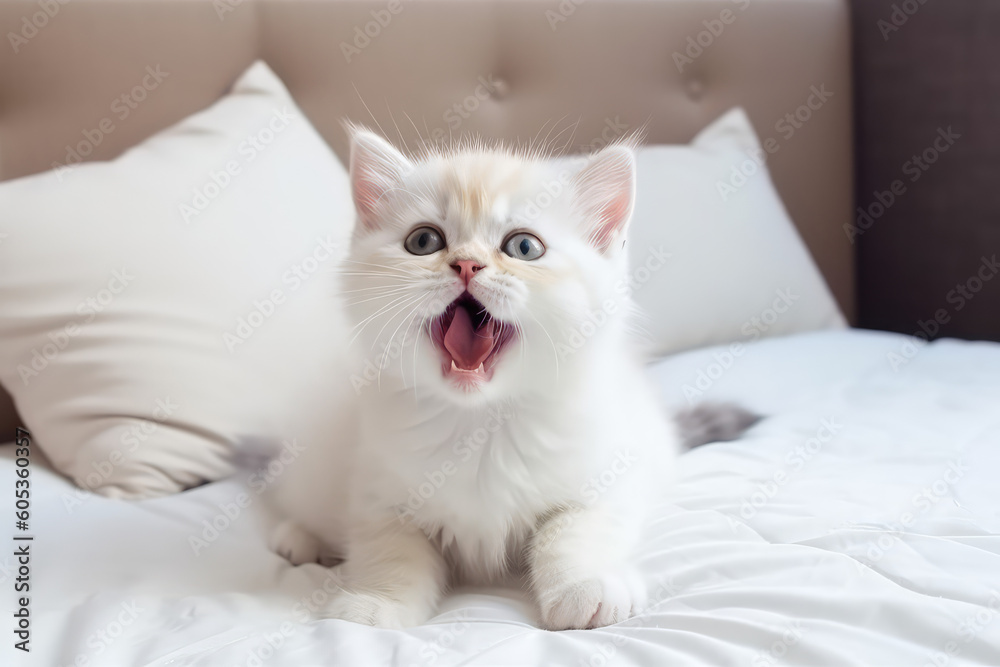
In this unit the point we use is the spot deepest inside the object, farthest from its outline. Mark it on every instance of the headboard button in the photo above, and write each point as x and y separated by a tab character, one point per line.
695	89
498	87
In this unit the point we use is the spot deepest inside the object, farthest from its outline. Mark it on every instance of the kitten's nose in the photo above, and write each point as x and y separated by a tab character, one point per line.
466	269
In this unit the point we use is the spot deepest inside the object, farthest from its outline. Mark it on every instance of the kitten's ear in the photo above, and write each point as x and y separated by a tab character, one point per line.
605	193
376	168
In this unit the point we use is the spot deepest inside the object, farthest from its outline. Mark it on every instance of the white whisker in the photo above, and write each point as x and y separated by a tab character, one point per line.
360	326
555	349
379	296
410	316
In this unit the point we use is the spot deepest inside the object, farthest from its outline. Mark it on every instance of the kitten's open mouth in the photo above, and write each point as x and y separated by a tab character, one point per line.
470	340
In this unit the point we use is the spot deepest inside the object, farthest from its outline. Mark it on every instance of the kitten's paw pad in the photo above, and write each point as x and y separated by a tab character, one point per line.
375	610
294	543
594	603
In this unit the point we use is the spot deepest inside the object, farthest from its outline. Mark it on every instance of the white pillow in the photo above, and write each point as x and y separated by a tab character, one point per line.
737	269
162	307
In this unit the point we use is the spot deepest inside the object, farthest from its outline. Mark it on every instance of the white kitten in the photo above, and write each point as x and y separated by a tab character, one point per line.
503	421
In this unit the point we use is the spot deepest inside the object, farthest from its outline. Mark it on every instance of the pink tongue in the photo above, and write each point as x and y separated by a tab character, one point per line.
468	347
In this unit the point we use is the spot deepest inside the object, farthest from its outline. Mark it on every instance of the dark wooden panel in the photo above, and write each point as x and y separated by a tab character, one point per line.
920	69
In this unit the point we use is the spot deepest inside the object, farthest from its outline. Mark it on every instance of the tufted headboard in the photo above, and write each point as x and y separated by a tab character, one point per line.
582	70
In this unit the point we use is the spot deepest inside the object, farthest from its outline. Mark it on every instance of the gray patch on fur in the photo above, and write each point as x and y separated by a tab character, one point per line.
253	454
713	422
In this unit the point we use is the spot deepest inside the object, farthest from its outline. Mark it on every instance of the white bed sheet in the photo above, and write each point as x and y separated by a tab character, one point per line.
858	524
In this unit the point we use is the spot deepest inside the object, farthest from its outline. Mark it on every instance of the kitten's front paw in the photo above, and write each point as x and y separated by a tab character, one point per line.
294	543
593	603
373	609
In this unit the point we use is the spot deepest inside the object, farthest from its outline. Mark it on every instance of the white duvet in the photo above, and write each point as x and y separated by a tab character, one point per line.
859	523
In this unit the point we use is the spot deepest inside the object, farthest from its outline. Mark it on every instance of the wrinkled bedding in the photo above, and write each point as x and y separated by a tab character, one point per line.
858	523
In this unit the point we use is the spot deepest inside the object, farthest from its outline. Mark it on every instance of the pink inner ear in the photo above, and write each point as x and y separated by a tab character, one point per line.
612	219
376	168
366	196
606	191
369	187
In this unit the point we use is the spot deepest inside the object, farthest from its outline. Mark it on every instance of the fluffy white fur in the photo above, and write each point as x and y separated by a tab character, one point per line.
548	467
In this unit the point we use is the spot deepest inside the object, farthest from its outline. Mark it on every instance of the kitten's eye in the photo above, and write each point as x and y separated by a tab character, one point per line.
424	241
523	246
